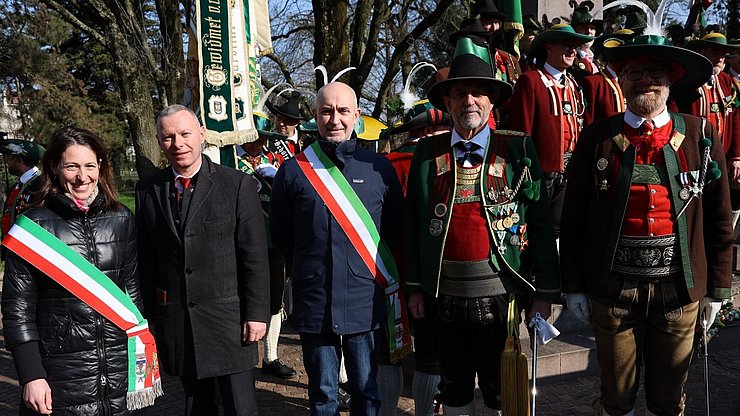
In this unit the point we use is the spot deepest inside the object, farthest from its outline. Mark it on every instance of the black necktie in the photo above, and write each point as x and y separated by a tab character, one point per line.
469	153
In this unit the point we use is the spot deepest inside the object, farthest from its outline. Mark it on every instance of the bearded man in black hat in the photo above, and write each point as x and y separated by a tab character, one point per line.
21	159
287	117
646	236
476	213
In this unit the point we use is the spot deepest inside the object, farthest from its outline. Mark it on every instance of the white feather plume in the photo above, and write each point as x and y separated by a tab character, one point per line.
408	97
322	68
340	73
654	24
260	107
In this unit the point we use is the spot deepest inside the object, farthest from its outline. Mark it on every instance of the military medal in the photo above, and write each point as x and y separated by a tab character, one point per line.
514	240
501	244
684	194
508	222
499	226
567	108
515	217
492	194
435	227
714	107
601	164
440	210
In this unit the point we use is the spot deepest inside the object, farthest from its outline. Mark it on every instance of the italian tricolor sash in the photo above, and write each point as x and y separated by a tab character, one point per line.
358	225
68	268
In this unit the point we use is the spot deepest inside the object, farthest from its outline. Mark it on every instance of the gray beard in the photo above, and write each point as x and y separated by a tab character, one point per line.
469	124
643	104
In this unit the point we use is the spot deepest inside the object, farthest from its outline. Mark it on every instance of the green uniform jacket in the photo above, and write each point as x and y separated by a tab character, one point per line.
594	208
432	182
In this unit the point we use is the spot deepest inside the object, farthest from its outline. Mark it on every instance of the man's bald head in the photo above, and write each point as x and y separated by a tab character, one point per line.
336	111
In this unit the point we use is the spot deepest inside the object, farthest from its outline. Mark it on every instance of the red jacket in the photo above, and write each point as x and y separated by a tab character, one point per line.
702	107
533	113
604	97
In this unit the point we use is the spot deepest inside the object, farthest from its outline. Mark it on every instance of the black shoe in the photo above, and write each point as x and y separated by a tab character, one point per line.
343	398
278	369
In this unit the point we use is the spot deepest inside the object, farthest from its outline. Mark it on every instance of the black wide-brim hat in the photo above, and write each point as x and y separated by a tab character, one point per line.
556	33
290	108
696	68
472	62
488	9
469	26
263	125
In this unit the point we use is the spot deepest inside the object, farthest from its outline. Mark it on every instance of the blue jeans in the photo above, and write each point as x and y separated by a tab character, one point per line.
321	355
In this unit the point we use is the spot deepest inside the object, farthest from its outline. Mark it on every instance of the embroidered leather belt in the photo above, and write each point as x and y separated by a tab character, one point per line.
472	279
647	257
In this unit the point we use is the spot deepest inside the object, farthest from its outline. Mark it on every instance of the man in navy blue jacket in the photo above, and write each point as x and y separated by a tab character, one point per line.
337	303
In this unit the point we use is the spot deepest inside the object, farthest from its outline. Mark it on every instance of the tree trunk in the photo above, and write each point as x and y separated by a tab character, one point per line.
331	44
171	55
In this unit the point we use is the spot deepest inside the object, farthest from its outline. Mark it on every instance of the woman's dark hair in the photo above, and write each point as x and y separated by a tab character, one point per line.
61	140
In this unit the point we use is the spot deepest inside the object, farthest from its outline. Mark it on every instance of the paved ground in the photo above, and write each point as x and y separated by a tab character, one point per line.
562	398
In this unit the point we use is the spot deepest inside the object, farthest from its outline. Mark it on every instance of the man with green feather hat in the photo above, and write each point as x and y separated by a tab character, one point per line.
646	236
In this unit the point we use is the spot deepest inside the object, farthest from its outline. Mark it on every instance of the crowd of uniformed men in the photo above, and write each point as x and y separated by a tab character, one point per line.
596	169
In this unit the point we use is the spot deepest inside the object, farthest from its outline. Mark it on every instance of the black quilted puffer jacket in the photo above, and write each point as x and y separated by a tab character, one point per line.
54	335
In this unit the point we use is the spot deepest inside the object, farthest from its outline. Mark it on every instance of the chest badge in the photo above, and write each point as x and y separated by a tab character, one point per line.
440	210
435	227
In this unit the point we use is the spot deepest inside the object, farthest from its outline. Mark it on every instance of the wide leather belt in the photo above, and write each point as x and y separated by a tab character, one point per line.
647	257
472	279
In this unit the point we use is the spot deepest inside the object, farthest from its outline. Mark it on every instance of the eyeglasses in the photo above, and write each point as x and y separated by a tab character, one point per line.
636	74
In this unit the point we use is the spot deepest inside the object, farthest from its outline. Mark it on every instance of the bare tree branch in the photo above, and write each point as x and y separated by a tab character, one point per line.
74	21
400	50
281	65
287	34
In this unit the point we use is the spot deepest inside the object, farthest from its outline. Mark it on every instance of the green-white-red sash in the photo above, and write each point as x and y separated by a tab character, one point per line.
51	256
358	225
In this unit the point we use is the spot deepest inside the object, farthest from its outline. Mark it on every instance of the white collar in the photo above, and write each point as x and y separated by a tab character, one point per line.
635	121
583	53
177	175
294	137
27	175
554	72
481	138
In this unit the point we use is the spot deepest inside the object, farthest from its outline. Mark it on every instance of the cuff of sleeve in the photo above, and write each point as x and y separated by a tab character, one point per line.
412	287
719	293
27	360
551	295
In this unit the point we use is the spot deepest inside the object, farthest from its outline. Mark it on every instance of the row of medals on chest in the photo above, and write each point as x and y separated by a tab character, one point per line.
687	191
504	210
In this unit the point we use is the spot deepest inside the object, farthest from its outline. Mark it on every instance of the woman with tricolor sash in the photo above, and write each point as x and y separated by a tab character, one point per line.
71	300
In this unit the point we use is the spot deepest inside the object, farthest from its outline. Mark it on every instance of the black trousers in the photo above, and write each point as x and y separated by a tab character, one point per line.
467	347
236	393
555	184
